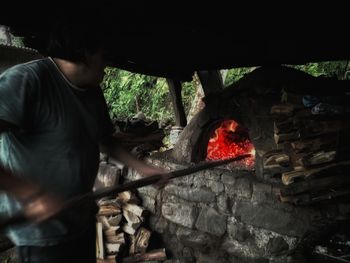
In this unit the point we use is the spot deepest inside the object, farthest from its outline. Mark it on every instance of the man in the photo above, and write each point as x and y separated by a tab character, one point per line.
53	122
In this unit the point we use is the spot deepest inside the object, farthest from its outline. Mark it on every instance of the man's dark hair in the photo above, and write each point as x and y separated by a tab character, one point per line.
73	37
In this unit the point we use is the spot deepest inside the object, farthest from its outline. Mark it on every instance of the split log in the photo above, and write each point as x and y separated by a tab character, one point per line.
129	229
112	231
281	159
142	240
330	182
109	210
132	248
283	137
317	144
282	109
133	220
135	209
290	177
115	220
116	239
104	221
309	128
107	176
308	198
99	241
157	254
284	126
127	197
317	158
112	248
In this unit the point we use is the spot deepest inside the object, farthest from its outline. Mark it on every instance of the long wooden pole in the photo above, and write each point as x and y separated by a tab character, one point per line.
82	199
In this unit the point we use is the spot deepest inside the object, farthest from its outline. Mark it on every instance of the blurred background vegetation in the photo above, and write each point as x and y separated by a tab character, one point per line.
128	93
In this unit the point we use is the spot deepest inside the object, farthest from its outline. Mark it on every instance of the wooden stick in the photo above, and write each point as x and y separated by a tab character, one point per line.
82	199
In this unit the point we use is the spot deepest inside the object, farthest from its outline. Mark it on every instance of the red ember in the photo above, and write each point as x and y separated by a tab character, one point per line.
228	141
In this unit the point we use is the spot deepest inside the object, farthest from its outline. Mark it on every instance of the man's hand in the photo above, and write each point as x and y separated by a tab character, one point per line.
113	148
148	170
42	207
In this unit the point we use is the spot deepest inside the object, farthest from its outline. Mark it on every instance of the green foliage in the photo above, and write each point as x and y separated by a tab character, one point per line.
335	69
235	74
188	94
125	92
18	41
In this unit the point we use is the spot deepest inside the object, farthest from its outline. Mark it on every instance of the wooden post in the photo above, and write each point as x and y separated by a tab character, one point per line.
175	92
211	81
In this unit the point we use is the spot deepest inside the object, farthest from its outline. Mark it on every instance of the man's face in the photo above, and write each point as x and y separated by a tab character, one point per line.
95	68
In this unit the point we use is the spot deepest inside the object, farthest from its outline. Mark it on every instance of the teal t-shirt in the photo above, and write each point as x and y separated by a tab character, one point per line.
56	144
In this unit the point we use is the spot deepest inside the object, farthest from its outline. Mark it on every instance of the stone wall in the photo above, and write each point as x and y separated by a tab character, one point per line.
219	215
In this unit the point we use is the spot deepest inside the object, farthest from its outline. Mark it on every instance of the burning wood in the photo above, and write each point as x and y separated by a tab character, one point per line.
230	140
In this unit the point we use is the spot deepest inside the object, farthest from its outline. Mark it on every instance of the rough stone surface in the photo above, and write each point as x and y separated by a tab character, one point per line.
262	193
184	215
195	239
158	224
212	174
227	216
228	178
187	255
149	203
276	245
247	249
216	186
242	188
270	218
210	221
237	230
150	191
222	202
191	194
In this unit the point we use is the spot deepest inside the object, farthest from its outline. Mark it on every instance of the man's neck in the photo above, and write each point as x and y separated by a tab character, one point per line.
74	72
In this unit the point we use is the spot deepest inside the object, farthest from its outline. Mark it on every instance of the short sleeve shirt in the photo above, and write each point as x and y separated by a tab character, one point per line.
56	143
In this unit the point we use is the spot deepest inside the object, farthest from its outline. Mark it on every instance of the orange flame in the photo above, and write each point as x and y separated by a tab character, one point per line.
229	141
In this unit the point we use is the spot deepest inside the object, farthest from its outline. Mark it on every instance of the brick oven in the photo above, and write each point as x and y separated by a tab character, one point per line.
248	211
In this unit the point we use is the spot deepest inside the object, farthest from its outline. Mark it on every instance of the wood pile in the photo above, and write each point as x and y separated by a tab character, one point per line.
139	135
313	153
121	236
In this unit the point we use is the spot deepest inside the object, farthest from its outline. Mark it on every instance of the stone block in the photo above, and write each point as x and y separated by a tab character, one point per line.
241	189
228	178
237	230
149	203
210	221
215	186
182	214
276	245
159	224
222	202
195	239
150	191
191	194
262	193
271	218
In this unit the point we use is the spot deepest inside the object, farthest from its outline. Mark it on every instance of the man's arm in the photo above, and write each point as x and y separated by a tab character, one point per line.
9	183
112	147
38	204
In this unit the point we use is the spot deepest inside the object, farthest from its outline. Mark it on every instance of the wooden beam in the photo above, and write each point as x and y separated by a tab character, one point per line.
211	81
176	99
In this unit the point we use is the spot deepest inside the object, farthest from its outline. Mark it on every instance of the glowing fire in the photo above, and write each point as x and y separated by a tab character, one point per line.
228	141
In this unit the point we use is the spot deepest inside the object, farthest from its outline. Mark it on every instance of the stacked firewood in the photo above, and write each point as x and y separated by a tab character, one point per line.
313	152
139	135
121	236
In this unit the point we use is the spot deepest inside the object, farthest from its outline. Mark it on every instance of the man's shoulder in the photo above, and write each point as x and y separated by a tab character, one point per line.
33	65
